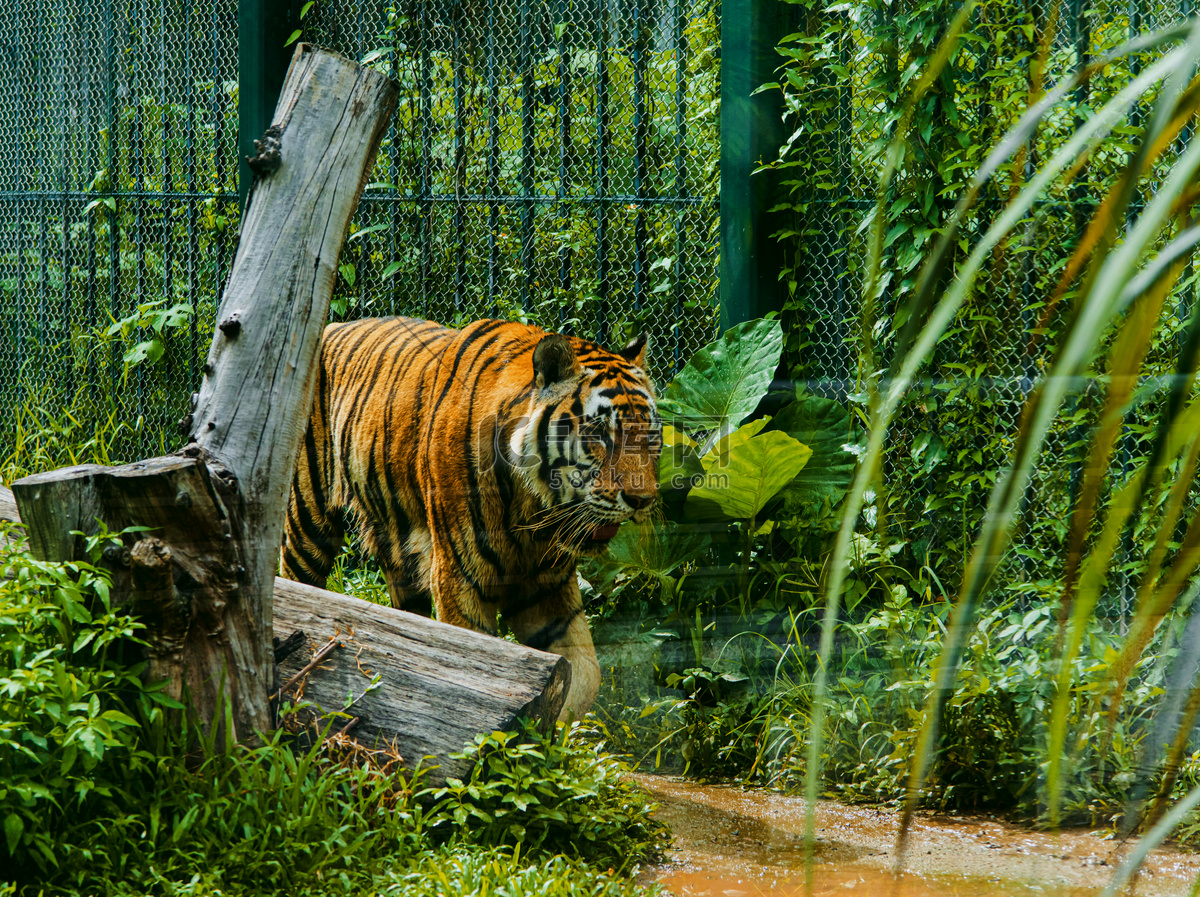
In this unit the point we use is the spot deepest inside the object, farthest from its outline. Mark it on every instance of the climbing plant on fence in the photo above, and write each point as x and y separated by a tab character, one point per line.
845	74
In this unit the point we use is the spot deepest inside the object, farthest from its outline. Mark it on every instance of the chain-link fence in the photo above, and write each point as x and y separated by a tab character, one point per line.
118	203
549	160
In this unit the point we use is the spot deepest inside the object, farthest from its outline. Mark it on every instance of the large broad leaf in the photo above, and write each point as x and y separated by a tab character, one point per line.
718	455
824	426
724	382
752	474
679	469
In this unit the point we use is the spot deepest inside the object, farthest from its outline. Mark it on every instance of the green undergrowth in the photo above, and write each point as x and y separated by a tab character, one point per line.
104	792
745	717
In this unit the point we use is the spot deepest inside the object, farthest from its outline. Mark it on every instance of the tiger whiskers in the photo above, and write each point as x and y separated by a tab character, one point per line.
567	535
549	516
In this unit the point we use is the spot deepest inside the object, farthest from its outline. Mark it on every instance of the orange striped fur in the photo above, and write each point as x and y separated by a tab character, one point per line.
477	465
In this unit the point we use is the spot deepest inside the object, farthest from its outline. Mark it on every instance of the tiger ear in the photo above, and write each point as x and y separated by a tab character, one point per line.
635	352
553	360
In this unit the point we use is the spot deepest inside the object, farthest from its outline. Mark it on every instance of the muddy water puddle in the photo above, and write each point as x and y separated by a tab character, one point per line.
735	843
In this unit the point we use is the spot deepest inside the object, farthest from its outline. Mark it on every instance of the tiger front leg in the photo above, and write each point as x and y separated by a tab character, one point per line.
557	624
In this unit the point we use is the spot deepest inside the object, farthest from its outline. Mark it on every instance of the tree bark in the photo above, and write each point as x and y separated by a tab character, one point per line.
438	686
252	406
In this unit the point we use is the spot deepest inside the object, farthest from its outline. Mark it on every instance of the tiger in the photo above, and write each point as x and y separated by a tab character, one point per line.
477	465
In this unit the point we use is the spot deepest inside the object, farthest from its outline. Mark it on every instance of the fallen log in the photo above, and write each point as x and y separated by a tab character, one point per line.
435	686
438	686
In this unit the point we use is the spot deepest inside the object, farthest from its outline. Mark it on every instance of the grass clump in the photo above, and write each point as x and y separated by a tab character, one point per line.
456	871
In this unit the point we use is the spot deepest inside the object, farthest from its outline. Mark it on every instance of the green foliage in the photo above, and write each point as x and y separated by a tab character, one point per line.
547	794
158	321
1117	271
458	872
821	425
747	474
272	819
357	573
66	700
722	384
91	431
100	794
112	312
257	820
732	565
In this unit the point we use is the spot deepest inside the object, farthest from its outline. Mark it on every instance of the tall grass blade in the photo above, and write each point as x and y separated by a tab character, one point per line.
1079	344
1152	839
866	473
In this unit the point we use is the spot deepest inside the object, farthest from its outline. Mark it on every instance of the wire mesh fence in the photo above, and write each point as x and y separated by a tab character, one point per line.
118	201
551	161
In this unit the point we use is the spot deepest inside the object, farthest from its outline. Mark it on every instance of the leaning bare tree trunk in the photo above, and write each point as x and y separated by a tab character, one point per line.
205	575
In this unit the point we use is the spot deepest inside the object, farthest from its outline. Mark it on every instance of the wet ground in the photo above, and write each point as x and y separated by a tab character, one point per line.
735	843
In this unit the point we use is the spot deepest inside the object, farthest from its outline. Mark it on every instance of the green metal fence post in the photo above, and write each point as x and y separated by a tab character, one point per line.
263	28
751	132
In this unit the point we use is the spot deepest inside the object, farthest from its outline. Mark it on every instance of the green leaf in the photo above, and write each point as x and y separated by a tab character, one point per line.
83	640
116	716
754	472
724	382
366	231
14	827
292	38
150	351
824	426
678	469
70	752
371	57
718	455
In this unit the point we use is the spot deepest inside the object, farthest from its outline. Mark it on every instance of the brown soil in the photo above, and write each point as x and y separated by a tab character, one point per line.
743	843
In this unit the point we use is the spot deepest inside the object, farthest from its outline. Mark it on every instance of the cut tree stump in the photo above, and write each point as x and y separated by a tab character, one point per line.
250	412
179	576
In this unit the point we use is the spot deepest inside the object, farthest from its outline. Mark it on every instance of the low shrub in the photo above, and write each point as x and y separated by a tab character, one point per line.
459	872
550	794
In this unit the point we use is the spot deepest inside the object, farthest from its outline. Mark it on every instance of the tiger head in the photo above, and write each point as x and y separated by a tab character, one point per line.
589	441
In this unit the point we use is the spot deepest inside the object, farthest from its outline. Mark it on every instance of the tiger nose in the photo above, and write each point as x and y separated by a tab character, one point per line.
638	500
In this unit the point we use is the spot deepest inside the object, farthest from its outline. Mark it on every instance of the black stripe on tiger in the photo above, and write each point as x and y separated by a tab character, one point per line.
551	632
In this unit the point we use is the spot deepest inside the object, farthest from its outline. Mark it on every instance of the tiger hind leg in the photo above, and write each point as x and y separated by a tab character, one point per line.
406	594
313	537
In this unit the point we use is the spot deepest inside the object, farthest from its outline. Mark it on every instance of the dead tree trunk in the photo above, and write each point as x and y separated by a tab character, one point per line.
423	688
218	509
